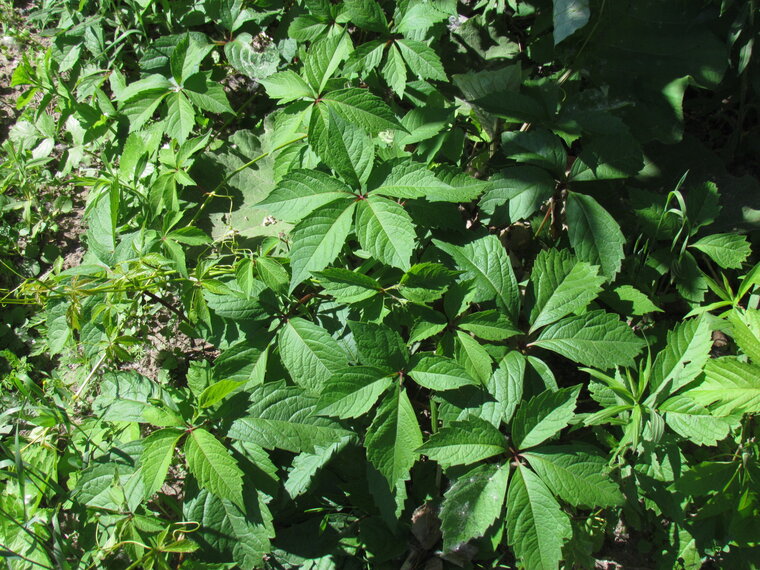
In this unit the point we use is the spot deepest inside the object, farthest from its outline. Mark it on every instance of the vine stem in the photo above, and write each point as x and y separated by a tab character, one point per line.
213	194
92	373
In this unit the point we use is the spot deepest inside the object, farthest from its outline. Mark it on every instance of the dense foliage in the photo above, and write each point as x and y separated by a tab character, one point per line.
381	284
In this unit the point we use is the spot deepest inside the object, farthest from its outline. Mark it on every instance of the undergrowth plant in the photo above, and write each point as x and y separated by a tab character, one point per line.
474	289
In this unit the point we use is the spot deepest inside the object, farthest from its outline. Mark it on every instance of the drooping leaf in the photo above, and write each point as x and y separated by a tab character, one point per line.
536	526
307	465
595	338
212	466
543	416
472	504
561	285
464	442
575	474
394	437
594	234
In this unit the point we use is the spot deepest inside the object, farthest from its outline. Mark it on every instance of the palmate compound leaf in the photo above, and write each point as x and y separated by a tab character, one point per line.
543	416
300	192
464	442
282	417
318	239
536	526
578	475
472	504
595	338
594	234
212	466
561	285
730	387
385	230
683	357
486	262
394	437
351	391
309	353
157	454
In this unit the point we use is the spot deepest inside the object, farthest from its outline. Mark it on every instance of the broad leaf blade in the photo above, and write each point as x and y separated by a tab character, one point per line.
594	234
212	466
576	475
472	504
157	454
465	442
596	338
543	417
309	353
352	391
300	192
536	526
440	373
393	438
386	231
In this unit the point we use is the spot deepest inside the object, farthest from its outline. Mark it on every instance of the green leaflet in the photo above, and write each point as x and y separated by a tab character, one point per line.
300	192
489	325
347	286
729	251
157	455
730	387
363	109
323	59
440	373
212	466
536	526
576	475
422	60
693	421
385	230
346	149
561	285
595	339
282	417
309	353
307	465
394	437
379	345
684	356
286	86
543	416
569	16
464	443
486	261
594	234
472	504
318	239
351	391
